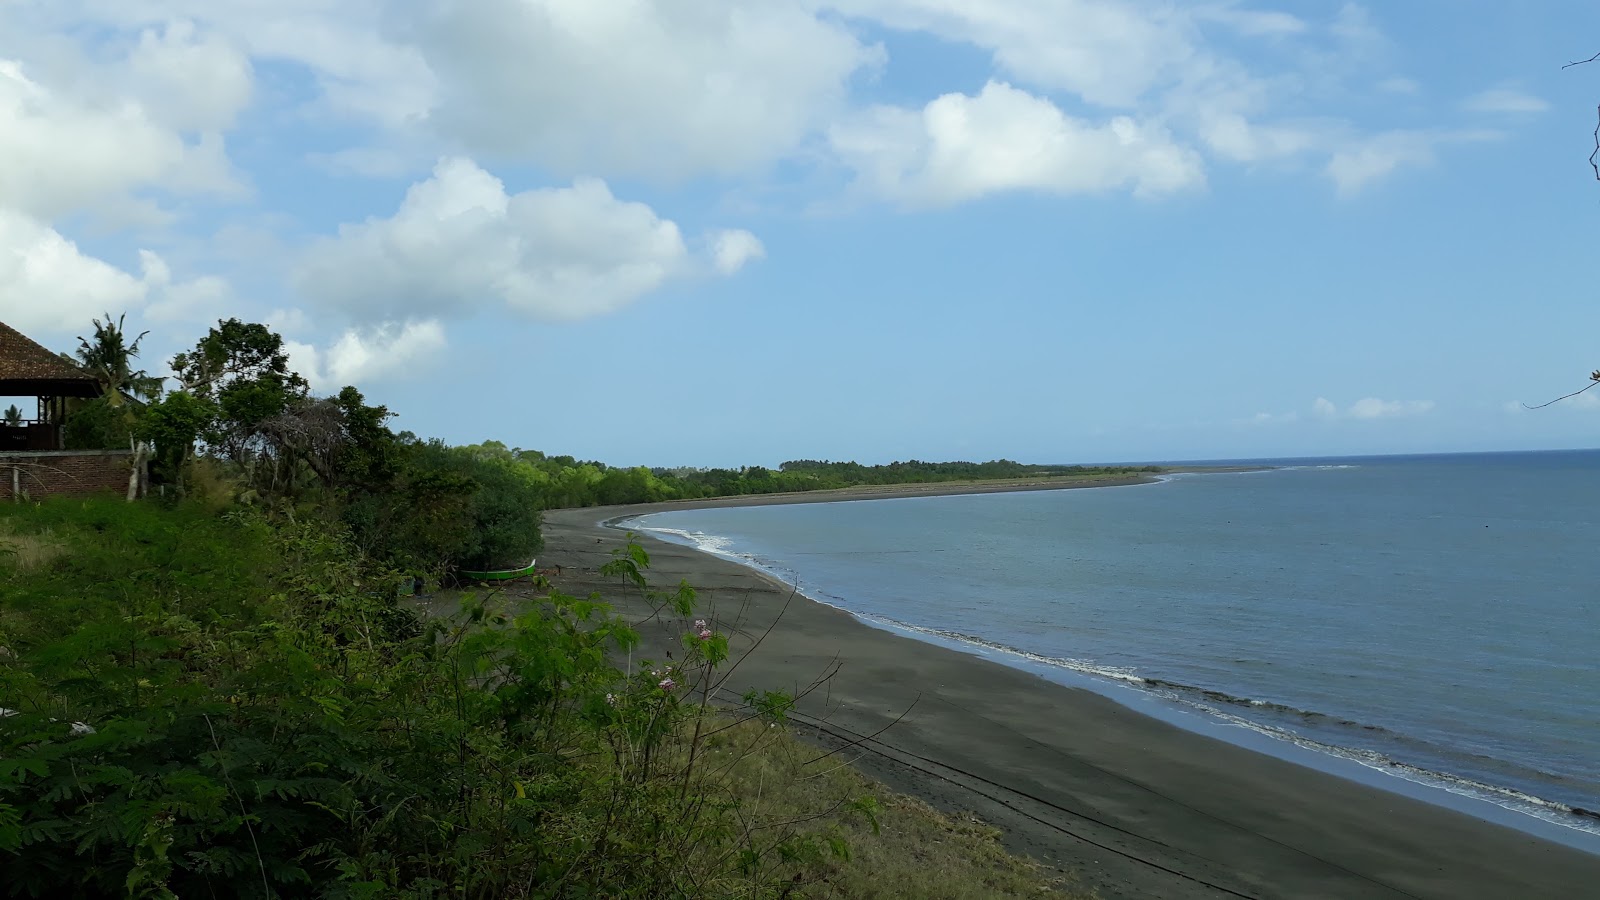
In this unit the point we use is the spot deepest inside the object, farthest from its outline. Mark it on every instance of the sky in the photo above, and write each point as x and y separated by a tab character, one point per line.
713	232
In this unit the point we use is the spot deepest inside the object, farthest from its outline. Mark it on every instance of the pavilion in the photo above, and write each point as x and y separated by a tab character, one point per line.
27	369
34	461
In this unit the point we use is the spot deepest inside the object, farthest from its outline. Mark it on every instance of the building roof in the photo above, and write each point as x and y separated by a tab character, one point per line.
28	369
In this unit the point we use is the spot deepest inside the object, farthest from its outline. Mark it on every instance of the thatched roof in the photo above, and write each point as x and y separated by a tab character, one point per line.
27	369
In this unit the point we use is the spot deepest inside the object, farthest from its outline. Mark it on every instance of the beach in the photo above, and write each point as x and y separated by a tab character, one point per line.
1137	807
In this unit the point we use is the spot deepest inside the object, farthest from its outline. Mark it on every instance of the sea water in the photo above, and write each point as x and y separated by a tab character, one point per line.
1436	618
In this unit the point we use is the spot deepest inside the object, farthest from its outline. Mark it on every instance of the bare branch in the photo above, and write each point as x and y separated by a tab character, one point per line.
1582	62
1592	383
1594	158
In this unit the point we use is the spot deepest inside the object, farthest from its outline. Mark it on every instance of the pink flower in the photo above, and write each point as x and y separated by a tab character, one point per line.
705	634
700	624
668	684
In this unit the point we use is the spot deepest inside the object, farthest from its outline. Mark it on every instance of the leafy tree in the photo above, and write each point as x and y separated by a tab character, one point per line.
174	426
231	352
13	415
263	409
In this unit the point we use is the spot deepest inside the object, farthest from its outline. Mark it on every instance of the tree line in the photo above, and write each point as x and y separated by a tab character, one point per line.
240	425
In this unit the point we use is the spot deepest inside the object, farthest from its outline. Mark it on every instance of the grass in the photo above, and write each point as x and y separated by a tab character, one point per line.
28	553
915	850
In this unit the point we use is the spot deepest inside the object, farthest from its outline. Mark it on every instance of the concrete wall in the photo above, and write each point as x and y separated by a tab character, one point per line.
64	473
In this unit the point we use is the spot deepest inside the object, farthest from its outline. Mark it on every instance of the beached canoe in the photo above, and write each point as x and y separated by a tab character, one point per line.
501	574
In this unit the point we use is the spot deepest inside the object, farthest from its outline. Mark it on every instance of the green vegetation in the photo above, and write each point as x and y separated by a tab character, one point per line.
239	705
225	693
244	427
567	482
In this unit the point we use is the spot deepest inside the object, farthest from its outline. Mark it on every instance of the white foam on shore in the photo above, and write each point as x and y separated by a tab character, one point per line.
1548	811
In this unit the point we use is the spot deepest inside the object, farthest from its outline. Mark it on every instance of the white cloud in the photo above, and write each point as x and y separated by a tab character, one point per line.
1399	85
358	69
189	80
66	154
1266	418
1371	408
48	284
1507	101
1374	408
380	353
733	248
460	243
1236	138
959	148
200	299
661	89
1363	161
1108	53
1253	22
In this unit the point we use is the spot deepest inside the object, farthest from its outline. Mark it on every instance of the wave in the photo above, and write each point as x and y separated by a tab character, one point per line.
1216	704
1212	701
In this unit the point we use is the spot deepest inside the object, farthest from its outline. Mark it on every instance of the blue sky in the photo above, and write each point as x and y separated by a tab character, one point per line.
718	232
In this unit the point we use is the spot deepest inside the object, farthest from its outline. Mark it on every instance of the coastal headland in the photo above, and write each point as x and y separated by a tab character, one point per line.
1135	806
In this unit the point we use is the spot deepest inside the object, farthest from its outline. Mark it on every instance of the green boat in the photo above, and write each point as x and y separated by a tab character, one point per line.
501	574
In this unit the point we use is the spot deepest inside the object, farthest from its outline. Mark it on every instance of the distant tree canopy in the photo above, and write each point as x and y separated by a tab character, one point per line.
243	426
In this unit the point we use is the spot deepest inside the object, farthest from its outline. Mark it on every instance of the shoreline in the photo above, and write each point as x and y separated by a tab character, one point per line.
1075	778
1498	804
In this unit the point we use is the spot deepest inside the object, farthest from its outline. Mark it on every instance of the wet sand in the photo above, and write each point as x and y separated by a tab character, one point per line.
1137	807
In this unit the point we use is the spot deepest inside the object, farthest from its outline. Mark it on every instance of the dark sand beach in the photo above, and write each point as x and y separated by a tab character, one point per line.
1138	807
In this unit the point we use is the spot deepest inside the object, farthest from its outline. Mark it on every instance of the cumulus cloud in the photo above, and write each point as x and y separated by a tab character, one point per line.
960	147
65	154
733	248
1109	53
670	89
1371	408
1508	101
200	299
460	243
48	284
361	356
341	47
187	79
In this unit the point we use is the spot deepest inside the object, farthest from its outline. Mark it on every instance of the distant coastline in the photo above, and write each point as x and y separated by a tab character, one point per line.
933	489
1034	757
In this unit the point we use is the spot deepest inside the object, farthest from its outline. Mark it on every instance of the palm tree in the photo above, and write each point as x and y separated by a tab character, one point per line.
13	415
110	358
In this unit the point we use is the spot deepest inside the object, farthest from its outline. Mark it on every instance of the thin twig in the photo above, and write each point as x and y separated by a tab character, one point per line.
1563	396
1582	62
1594	158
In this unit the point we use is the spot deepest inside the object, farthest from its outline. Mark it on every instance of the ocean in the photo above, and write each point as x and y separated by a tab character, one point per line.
1434	618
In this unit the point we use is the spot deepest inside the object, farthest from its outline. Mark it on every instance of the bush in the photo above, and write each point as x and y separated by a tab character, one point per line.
264	719
448	509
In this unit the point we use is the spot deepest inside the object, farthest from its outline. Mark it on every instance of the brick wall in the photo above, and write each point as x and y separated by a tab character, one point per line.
65	473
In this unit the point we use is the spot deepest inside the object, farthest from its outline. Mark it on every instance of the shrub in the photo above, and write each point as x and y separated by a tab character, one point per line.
269	721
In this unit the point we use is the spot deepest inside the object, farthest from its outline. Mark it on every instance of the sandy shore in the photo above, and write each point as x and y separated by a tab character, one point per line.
1138	807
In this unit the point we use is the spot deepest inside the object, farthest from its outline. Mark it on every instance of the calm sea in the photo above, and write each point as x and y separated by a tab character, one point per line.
1436	618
